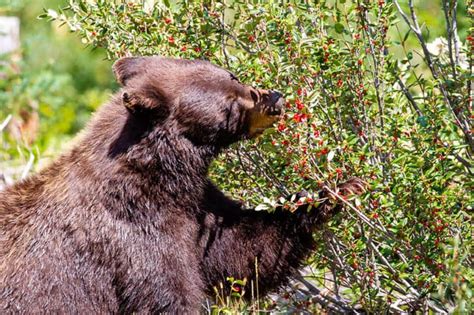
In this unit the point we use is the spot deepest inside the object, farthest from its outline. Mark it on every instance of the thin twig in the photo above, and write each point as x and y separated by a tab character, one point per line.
4	124
223	40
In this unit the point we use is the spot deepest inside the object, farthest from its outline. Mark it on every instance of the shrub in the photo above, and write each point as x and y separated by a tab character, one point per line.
368	97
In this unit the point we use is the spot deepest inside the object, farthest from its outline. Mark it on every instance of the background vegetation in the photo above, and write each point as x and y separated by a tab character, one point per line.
50	87
372	92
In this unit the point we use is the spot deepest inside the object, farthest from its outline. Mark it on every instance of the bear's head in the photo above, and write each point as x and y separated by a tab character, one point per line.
195	99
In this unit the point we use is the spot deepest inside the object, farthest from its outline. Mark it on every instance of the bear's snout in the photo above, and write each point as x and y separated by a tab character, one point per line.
266	112
276	102
271	103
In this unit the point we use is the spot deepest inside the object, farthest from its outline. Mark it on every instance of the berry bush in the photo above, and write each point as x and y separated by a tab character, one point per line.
369	94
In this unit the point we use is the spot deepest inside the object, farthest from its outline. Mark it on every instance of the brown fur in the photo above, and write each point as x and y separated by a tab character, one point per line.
127	221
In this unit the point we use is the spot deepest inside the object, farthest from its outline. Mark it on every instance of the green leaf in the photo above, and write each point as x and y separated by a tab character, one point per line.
406	36
339	28
422	120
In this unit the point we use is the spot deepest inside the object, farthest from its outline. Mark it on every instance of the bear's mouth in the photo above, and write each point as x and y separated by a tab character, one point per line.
260	122
264	116
275	106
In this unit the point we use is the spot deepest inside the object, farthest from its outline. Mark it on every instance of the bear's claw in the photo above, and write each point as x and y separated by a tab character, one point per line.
353	186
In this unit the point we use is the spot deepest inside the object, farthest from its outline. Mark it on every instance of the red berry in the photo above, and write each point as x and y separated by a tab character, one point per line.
298	117
299	104
281	127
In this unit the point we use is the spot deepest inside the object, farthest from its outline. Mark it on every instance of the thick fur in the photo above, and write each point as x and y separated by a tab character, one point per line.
127	221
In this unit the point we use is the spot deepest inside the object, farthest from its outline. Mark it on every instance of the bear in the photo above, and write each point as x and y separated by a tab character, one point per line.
127	220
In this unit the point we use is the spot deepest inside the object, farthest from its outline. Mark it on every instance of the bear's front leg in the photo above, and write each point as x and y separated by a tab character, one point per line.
244	243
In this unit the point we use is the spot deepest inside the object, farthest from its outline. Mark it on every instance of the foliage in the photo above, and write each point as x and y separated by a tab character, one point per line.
48	93
355	108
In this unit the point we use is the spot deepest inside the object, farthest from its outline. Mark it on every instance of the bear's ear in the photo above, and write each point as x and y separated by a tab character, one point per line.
127	67
145	99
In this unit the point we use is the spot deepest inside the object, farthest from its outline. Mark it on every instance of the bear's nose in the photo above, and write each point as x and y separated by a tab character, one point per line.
276	102
275	96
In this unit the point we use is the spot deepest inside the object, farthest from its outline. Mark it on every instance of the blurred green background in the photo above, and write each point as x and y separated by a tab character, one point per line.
50	87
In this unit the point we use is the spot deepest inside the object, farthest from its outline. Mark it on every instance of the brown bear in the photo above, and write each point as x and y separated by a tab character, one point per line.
128	221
